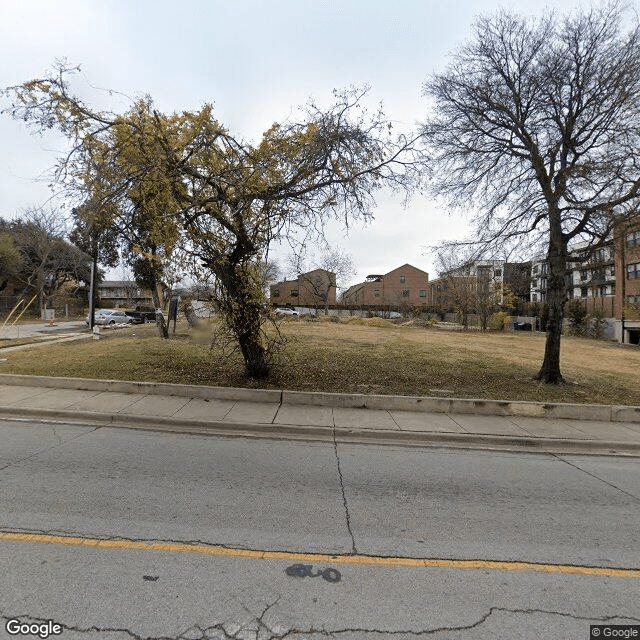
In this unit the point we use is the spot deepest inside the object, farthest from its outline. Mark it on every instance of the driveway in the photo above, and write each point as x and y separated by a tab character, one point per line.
38	329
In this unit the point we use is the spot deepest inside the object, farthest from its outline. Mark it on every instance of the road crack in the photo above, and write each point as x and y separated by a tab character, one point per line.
593	475
354	551
262	631
60	443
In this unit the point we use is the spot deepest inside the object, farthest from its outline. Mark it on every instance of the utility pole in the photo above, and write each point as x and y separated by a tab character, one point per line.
92	298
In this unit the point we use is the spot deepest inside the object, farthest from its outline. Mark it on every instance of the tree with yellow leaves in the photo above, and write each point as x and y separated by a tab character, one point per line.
184	178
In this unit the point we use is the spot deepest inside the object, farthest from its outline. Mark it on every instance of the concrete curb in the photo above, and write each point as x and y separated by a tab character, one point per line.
530	444
152	388
606	413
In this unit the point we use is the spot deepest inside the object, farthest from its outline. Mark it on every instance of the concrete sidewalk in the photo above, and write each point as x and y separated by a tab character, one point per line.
263	413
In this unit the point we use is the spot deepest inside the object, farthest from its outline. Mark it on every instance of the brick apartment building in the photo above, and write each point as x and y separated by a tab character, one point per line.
607	281
405	285
627	293
311	289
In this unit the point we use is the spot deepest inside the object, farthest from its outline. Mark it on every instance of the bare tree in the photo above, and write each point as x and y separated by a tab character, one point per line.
340	262
537	124
337	264
270	273
47	260
455	287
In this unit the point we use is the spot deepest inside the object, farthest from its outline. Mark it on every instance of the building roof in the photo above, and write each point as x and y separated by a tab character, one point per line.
402	266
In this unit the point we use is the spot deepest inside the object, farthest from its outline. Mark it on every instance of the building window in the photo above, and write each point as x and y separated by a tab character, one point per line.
534	297
498	272
402	279
376	293
405	293
423	293
633	239
583	275
584	292
294	293
276	293
633	270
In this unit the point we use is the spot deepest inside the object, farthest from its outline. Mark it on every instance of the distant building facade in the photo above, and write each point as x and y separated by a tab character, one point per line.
124	293
479	283
312	289
606	280
405	285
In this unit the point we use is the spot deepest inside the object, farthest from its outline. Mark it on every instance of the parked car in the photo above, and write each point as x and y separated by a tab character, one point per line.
286	312
110	316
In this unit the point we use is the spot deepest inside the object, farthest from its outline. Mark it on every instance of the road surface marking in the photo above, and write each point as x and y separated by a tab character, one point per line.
315	558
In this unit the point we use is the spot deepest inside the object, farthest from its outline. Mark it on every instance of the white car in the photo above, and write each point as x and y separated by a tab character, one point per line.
286	312
110	316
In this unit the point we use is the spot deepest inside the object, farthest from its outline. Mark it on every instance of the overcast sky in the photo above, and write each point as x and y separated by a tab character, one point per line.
256	61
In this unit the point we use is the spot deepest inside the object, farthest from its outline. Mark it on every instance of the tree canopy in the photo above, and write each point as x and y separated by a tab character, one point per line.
35	255
184	178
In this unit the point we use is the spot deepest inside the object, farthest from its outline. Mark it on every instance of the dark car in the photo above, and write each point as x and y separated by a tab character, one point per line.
142	314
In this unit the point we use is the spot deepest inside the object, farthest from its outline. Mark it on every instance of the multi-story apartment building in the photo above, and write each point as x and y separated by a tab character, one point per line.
479	283
593	277
607	280
538	280
314	288
406	285
590	277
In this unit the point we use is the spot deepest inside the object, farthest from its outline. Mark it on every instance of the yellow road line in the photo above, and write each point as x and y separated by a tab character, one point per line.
212	550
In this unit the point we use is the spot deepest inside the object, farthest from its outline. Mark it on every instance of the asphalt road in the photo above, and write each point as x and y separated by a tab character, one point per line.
118	534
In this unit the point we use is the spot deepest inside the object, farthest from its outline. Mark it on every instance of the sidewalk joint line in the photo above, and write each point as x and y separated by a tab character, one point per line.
273	420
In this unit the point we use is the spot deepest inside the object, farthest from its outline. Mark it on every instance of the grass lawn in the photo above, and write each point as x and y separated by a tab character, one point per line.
359	356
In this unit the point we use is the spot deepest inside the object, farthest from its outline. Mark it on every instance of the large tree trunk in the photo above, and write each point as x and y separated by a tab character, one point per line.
163	328
242	311
556	298
190	315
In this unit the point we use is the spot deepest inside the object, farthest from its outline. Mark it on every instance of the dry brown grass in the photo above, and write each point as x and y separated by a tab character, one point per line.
365	356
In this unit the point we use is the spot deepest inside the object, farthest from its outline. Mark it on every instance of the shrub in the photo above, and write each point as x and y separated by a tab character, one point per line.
577	315
499	321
